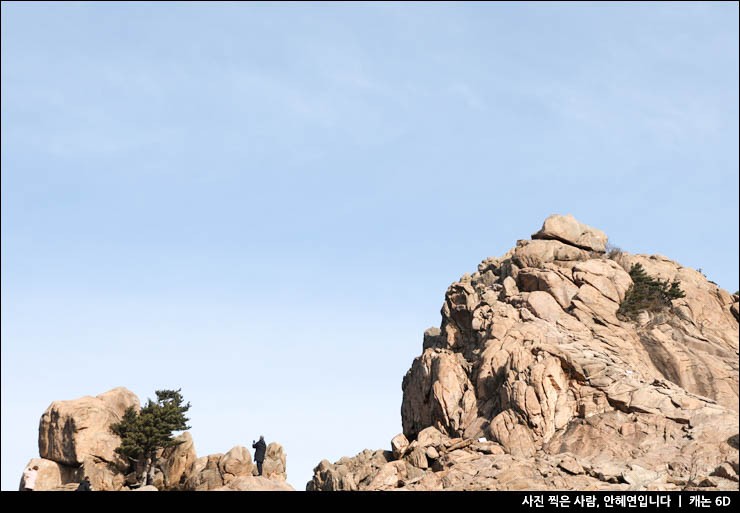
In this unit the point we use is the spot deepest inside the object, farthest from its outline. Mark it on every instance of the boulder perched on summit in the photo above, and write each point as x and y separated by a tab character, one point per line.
568	230
532	380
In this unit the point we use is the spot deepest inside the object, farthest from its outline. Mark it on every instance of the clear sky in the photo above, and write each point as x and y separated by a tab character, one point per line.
264	203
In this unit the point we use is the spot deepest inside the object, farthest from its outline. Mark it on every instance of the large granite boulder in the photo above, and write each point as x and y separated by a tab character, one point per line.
75	441
235	463
70	431
568	230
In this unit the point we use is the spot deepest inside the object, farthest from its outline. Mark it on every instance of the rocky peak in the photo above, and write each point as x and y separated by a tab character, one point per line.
532	357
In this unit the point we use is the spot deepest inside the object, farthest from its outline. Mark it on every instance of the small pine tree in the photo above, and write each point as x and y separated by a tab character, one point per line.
143	433
648	293
613	252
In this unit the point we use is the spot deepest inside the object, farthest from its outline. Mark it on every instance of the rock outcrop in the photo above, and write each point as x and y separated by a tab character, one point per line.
532	381
75	440
216	470
256	484
275	463
71	431
205	474
51	474
235	470
348	474
177	461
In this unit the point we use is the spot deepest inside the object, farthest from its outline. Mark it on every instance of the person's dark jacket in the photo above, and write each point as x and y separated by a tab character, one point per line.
84	486
259	450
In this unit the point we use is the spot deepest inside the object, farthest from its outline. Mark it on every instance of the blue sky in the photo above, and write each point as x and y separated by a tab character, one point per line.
264	203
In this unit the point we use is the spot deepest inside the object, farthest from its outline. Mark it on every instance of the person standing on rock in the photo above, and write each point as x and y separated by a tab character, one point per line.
259	453
84	485
29	478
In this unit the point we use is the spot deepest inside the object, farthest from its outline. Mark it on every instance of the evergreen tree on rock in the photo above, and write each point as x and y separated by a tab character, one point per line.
144	433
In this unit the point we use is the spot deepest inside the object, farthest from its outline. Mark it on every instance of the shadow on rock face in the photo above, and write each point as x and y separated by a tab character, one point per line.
733	441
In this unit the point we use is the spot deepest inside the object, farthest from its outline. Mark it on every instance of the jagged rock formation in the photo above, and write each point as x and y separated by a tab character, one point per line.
348	473
221	471
75	441
176	463
531	357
